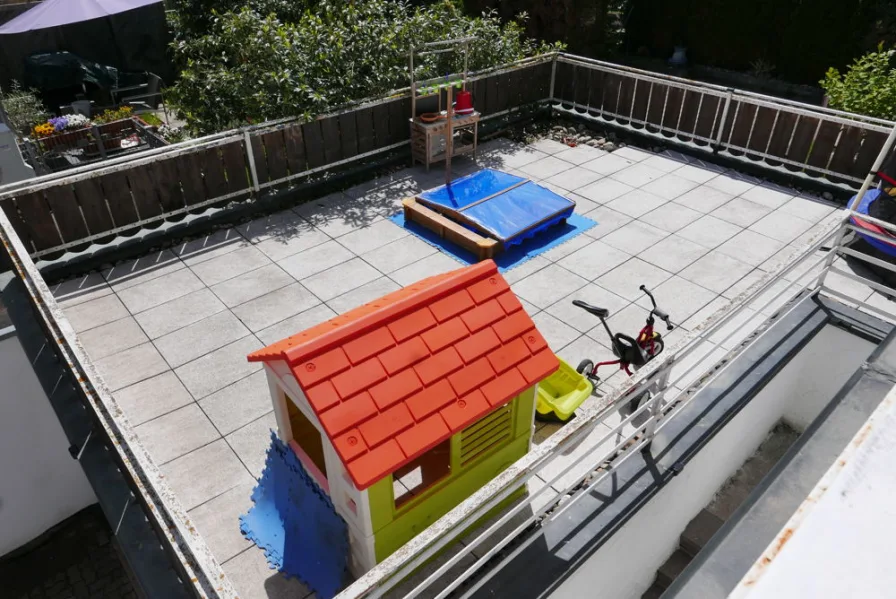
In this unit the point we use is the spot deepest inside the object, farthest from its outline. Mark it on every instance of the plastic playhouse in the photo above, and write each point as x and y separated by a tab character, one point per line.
402	408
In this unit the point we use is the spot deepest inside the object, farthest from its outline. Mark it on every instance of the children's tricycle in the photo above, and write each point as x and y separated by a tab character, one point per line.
630	352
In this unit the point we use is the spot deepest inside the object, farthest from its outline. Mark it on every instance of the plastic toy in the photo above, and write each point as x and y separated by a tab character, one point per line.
402	408
561	393
630	352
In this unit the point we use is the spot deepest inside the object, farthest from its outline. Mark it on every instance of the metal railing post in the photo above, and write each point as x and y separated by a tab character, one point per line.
251	156
724	120
656	407
553	77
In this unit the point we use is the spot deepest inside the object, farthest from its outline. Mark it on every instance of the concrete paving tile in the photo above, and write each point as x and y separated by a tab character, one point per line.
751	247
200	338
180	312
95	312
152	397
521	271
513	157
741	212
312	261
573	179
238	404
780	225
593	260
638	175
709	231
733	183
703	199
205	473
218	521
549	146
268	309
633	154
144	296
361	241
669	186
744	283
219	368
338	214
252	284
548	285
768	195
679	297
590	446
607	221
341	278
625	279
80	289
609	164
545	168
671	217
811	209
226	267
283	246
529	308
628	321
145	268
251	442
283	224
699	317
131	366
605	190
568	247
580	154
673	253
556	333
636	203
296	324
700	171
176	433
112	338
716	271
364	294
665	163
254	579
206	247
634	237
434	264
398	253
583	205
578	318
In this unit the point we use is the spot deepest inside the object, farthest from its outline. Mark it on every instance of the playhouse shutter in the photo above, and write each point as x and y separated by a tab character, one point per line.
485	434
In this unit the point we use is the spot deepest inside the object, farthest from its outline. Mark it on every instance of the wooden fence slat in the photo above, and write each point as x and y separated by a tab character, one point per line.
845	154
541	85
597	91
118	196
295	149
93	205
871	144
365	130
189	168
707	120
314	144
213	171
737	131
144	191
332	143
261	159
503	92
802	141
234	160
780	137
381	125
348	133
478	89
15	219
275	148
399	120
491	95
37	216
167	183
820	151
762	129
68	216
563	82
581	85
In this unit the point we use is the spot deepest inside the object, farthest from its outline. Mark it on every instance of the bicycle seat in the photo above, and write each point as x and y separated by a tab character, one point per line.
599	312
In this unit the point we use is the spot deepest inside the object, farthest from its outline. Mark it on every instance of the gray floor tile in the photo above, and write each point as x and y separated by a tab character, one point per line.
751	247
152	397
205	473
556	333
666	164
283	246
218	369
679	297
549	146
176	433
238	404
112	338
337	214
131	366
277	305
296	324
398	254
312	261
573	179
341	278
809	209
251	442
361	241
145	268
638	175
200	338
545	168
568	247
625	279
607	221
254	579
218	521
671	217
580	154
629	321
587	348
741	212
230	265
434	264
604	191
636	203
201	249
709	231
700	171
364	294
634	237
576	317
95	312
521	271
768	195
78	290
252	284
633	154
144	296
703	199
548	285
583	205
279	225
669	186
733	183
179	313
744	283
513	157
673	253
609	164
782	226
716	271
593	260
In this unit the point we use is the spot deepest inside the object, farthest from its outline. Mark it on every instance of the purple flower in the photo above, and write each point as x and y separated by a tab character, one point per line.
59	123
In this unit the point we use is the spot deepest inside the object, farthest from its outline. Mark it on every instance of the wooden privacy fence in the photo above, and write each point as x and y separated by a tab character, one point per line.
55	214
807	140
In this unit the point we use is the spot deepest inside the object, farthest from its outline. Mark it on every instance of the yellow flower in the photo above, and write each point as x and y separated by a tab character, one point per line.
44	130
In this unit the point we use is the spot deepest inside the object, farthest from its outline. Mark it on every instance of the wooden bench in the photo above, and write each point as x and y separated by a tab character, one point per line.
483	247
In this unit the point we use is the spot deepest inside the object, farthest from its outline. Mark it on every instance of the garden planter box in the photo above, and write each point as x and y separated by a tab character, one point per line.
111	134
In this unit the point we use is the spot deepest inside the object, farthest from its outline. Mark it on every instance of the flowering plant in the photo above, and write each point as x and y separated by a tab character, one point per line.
59	123
77	121
44	130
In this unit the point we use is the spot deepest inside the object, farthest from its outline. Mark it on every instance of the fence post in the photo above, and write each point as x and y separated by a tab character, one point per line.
553	76
656	402
251	156
724	120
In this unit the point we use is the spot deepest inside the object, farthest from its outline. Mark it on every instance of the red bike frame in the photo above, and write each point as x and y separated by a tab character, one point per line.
645	340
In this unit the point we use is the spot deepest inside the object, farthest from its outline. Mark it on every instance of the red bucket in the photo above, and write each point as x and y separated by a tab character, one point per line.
464	102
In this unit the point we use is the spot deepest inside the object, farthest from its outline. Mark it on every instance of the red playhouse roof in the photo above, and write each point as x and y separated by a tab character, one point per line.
395	377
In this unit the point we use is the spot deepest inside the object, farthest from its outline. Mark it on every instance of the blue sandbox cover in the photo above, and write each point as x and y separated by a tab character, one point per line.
504	206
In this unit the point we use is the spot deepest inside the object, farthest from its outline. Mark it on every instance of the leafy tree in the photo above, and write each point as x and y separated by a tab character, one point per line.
23	108
251	66
868	86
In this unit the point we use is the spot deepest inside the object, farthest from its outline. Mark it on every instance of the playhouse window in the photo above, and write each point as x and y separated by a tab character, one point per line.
416	477
306	436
